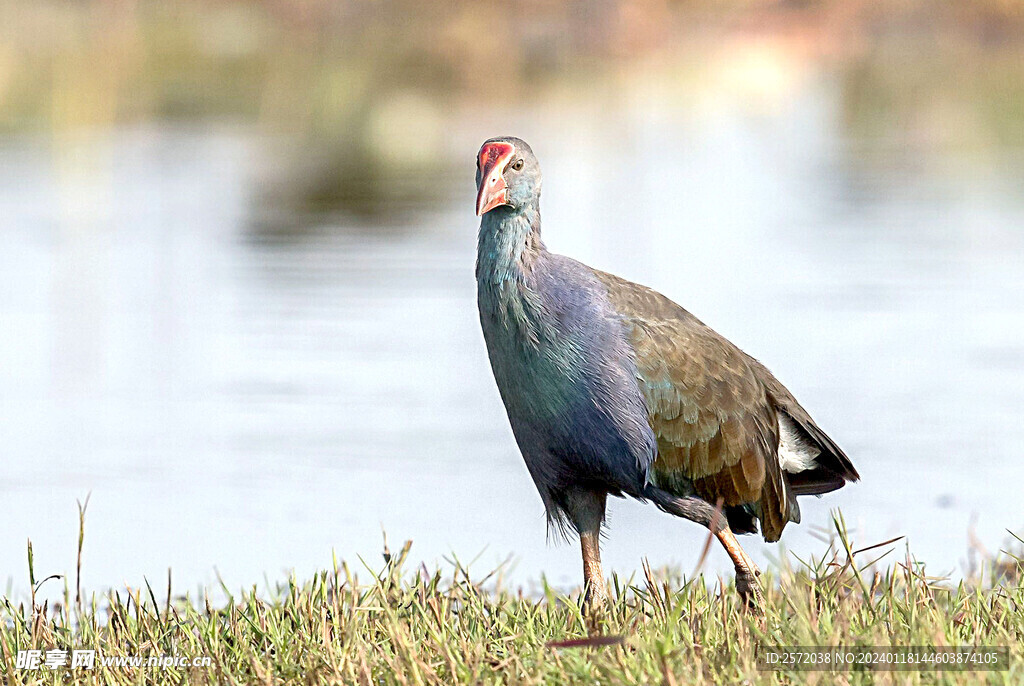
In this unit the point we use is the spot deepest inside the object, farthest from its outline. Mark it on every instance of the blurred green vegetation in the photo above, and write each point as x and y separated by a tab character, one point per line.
357	99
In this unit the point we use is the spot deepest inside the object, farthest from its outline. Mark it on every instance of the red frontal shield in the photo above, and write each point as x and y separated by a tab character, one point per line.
492	191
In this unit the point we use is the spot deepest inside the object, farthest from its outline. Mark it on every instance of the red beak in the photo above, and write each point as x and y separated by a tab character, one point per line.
493	192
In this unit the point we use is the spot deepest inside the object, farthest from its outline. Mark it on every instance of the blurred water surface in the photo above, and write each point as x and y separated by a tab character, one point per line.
254	346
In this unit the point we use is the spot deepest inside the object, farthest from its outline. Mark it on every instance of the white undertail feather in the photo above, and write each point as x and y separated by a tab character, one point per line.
795	454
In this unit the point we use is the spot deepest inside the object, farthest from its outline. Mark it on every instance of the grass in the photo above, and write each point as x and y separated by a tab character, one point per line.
414	626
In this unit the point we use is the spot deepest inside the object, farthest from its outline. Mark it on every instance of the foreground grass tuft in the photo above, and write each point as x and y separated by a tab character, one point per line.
418	627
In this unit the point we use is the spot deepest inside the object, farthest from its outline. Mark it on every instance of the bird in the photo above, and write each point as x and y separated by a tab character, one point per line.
612	389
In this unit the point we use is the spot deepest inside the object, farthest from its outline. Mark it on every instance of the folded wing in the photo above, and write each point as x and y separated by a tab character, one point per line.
716	414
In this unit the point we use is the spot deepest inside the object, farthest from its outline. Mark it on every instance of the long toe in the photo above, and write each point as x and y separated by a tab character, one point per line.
749	588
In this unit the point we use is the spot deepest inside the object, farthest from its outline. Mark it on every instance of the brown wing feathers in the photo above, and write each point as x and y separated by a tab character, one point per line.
835	468
714	412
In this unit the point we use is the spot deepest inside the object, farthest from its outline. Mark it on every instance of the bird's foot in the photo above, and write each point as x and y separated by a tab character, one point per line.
749	587
595	607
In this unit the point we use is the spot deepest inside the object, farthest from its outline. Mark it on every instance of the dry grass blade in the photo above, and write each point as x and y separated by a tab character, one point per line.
877	545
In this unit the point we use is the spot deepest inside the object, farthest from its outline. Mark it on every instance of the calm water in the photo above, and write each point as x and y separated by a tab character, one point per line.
243	401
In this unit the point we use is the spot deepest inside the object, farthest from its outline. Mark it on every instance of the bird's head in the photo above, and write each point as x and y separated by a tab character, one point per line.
507	175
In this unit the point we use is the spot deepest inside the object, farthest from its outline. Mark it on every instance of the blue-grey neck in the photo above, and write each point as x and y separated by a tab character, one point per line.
504	245
508	247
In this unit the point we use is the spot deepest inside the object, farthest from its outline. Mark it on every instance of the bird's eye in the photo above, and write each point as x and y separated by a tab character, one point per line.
518	164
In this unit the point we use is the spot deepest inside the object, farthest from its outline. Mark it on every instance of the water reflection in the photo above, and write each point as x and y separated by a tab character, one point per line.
244	319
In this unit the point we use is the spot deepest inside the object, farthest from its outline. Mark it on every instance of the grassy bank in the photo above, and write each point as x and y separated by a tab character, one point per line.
413	626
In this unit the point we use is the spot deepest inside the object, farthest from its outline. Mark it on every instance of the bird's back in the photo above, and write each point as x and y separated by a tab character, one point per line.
726	428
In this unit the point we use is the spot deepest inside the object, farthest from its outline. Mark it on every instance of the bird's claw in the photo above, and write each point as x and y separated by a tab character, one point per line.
749	588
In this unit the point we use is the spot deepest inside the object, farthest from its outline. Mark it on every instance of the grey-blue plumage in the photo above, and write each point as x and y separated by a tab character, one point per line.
612	389
564	369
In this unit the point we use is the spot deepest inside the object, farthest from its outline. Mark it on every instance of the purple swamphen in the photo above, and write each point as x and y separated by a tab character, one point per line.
613	389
